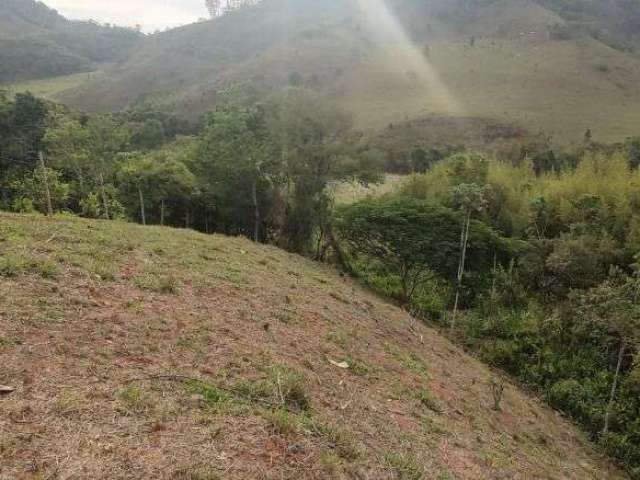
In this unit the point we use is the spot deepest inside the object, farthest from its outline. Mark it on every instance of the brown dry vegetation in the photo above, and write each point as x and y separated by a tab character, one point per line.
158	353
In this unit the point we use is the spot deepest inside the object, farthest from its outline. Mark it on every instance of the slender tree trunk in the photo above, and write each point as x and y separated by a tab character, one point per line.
103	193
463	262
256	211
319	241
614	388
493	284
340	254
80	179
162	212
45	180
493	281
143	216
404	279
461	265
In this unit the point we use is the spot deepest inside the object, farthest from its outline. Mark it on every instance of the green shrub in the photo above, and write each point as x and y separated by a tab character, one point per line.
569	396
501	353
212	396
283	387
623	447
11	265
282	422
426	399
404	466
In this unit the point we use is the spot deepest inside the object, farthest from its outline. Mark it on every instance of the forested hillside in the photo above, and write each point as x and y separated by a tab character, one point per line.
512	61
37	42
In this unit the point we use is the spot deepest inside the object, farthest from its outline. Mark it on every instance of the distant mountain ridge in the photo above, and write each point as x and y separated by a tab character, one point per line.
515	61
558	66
38	42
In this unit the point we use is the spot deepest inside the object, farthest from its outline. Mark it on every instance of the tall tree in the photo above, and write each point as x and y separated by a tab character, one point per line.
415	239
470	199
160	184
23	122
316	146
237	166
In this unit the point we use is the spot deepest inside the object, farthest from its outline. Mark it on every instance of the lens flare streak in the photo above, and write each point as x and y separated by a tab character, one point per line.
407	55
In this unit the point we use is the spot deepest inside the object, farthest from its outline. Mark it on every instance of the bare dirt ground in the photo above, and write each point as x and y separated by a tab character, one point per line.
150	353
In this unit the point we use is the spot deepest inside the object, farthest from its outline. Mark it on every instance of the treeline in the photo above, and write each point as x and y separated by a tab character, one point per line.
259	170
533	264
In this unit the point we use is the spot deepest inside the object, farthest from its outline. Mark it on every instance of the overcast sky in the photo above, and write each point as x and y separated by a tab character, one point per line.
151	14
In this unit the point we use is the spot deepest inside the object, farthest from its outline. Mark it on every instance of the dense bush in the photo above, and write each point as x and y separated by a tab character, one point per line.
416	240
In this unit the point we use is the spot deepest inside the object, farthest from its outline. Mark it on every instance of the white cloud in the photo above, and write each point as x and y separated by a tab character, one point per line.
151	14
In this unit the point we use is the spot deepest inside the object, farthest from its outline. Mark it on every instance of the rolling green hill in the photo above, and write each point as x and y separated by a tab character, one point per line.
140	352
37	42
517	62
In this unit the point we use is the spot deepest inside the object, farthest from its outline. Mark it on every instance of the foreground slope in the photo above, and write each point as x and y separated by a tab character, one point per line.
514	61
156	353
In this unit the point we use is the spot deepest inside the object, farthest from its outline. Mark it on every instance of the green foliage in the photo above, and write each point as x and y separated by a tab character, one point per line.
213	396
425	398
415	240
555	267
31	191
238	168
404	466
134	400
263	170
614	305
283	387
22	131
633	150
162	181
570	396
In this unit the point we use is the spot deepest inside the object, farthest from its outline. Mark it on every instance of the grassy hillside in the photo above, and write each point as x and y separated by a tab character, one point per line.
36	42
157	353
510	61
50	88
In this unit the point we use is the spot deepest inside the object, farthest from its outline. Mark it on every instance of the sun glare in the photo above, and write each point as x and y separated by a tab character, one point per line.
406	56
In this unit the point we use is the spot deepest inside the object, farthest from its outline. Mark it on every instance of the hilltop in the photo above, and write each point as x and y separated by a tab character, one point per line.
550	65
37	42
148	352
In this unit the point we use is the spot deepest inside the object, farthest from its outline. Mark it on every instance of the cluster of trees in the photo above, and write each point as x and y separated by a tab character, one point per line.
53	160
537	269
259	170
